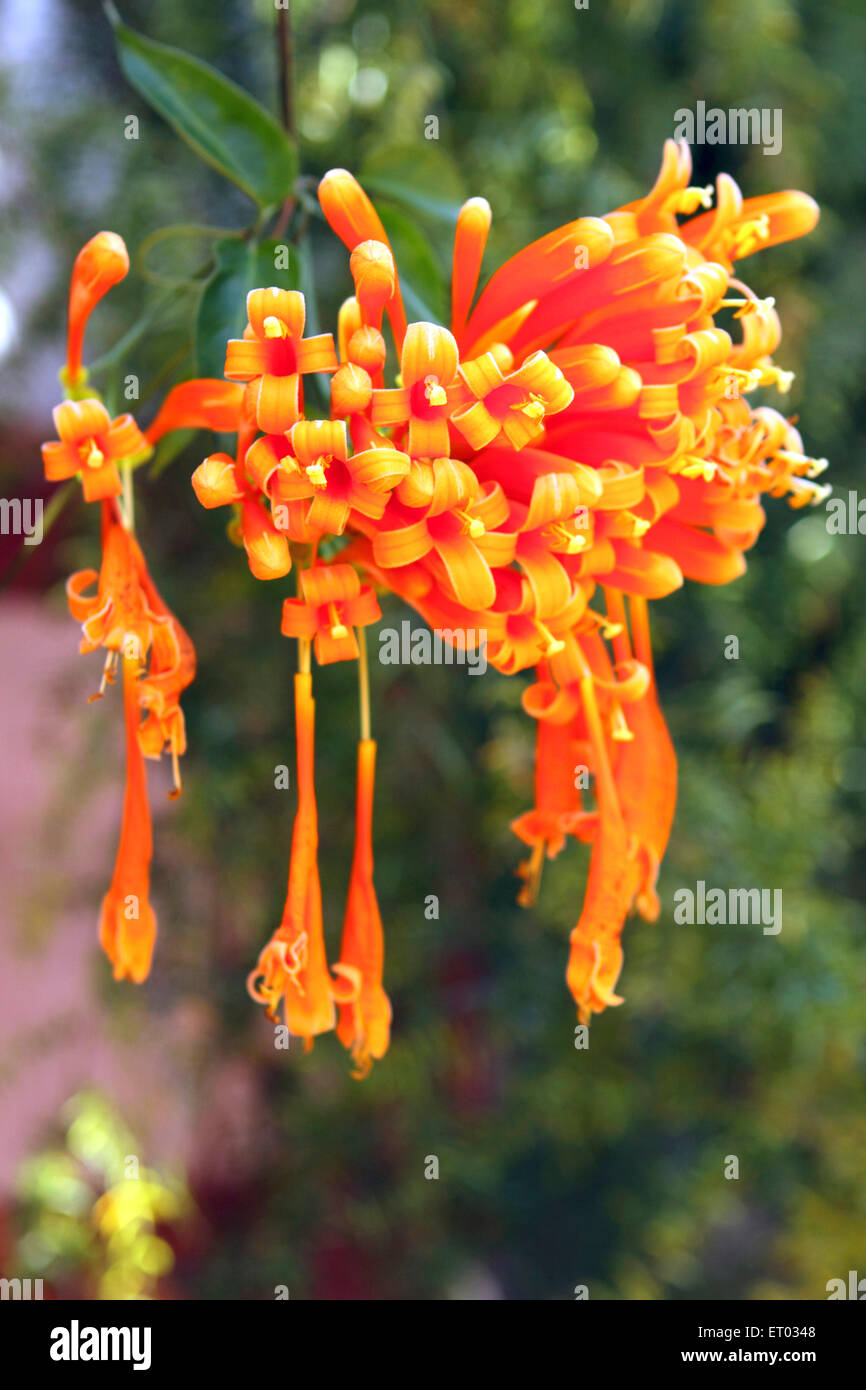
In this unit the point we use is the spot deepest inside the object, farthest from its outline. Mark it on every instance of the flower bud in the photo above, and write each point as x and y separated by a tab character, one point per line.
351	390
366	348
99	265
215	481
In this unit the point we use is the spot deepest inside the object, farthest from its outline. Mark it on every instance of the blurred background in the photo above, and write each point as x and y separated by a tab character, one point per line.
557	1167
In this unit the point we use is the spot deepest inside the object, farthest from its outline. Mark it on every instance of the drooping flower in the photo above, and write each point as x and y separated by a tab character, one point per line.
293	967
364	1025
118	616
127	924
170	670
127	616
576	443
558	802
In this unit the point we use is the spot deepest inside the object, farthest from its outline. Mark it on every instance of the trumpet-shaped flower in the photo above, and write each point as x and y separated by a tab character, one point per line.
273	356
334	603
91	445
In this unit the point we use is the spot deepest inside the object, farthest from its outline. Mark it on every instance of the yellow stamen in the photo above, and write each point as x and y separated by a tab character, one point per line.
530	872
552	645
748	306
338	630
619	730
692	467
94	458
298	952
748	237
572	542
688	200
315	471
750	379
109	673
812	468
175	769
434	392
808	494
533	408
471	524
274	327
609	630
778	377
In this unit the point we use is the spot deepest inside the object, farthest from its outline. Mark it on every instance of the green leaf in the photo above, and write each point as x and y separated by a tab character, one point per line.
218	119
406	175
136	332
421	280
184	235
241	266
316	388
168	449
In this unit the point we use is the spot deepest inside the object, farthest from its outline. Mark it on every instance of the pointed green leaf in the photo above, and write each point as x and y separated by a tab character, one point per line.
421	280
218	119
421	178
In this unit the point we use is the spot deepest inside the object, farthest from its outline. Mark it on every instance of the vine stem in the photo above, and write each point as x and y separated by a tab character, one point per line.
286	64
286	52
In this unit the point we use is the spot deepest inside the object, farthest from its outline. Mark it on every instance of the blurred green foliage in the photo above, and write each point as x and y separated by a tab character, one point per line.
91	1212
557	1166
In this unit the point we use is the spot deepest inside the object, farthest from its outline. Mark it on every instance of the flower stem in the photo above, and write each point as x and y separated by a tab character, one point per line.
128	497
303	557
363	683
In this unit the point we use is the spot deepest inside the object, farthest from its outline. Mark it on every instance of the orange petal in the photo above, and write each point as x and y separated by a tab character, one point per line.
699	555
276	402
267	548
286	305
206	403
470	239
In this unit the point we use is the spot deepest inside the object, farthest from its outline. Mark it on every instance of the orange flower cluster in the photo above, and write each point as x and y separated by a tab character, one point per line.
126	614
577	443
